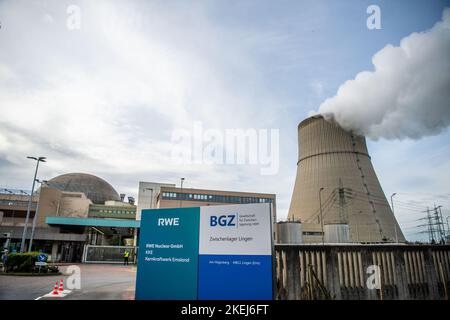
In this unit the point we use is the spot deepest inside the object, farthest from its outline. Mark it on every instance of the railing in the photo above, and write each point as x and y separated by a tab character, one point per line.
366	272
107	254
17	203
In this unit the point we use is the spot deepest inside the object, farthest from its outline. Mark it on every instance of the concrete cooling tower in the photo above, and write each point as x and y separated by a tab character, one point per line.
338	161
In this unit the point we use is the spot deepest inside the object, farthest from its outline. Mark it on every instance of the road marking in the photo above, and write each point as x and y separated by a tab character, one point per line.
59	295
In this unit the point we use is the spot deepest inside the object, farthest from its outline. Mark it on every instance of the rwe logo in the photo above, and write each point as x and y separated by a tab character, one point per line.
166	222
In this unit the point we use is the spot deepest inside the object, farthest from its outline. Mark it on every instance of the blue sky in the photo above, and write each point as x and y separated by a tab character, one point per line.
105	99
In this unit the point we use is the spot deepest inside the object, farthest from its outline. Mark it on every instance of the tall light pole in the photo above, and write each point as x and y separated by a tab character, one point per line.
35	215
321	215
393	214
181	195
38	159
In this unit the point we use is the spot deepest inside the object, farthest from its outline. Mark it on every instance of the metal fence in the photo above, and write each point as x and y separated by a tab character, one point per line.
107	254
342	272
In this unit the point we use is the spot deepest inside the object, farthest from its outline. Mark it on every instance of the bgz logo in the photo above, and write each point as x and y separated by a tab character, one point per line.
223	221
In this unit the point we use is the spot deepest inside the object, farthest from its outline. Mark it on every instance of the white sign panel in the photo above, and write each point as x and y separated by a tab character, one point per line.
236	229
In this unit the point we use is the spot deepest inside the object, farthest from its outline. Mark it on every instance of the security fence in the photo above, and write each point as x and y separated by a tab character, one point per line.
108	254
366	272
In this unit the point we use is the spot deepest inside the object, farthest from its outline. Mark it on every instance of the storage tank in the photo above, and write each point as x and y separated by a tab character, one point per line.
289	232
335	172
336	233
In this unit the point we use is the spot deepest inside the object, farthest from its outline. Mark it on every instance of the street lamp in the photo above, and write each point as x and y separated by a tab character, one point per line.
393	214
321	216
35	215
38	159
181	195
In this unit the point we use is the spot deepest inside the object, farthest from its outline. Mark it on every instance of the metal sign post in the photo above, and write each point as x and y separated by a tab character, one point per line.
42	261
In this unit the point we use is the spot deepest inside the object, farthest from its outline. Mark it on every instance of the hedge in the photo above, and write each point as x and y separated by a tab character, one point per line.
21	262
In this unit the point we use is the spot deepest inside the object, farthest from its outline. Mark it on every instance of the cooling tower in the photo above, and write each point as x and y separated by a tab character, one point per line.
338	161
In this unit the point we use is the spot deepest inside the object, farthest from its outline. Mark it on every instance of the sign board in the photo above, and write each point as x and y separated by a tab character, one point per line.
40	263
42	257
207	253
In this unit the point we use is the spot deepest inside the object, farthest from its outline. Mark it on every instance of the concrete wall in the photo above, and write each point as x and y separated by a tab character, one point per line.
74	205
53	202
406	271
49	204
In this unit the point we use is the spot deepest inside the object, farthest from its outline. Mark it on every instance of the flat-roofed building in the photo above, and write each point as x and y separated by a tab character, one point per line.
173	197
170	197
66	218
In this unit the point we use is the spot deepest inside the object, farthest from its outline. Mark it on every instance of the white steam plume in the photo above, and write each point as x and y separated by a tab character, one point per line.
408	93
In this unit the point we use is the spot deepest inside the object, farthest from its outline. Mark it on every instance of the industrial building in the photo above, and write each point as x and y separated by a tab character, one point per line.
156	195
77	209
336	188
71	210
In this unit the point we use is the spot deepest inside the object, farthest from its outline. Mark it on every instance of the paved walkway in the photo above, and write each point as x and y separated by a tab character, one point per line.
98	282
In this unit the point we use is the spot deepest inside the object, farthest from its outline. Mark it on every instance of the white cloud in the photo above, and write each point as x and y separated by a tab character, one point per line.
408	93
105	98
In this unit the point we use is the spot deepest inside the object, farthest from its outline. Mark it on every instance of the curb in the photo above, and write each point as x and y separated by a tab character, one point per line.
20	274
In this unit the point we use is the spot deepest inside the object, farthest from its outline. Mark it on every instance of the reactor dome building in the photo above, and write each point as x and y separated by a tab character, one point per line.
336	181
96	189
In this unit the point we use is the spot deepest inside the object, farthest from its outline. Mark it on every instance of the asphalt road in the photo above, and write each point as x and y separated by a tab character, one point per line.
98	282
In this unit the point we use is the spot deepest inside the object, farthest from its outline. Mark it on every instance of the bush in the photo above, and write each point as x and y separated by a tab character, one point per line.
21	262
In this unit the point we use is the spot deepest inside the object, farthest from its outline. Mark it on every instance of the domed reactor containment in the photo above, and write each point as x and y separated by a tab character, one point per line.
96	189
338	161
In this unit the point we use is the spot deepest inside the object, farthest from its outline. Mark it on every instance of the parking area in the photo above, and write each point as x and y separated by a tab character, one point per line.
98	282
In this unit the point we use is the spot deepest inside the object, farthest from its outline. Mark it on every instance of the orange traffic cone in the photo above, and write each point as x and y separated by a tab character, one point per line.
61	285
55	289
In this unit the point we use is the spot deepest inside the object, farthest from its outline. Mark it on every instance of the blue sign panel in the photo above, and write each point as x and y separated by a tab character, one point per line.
42	257
235	277
168	254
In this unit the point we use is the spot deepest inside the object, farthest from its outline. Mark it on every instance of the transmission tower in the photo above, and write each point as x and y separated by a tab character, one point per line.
440	230
435	225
